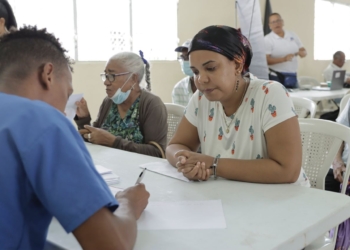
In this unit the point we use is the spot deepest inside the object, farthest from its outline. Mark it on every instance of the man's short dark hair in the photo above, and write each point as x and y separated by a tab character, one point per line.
338	54
29	49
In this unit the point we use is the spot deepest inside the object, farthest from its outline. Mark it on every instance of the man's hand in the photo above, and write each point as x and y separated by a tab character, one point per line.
82	108
136	197
97	136
118	230
338	169
288	57
302	53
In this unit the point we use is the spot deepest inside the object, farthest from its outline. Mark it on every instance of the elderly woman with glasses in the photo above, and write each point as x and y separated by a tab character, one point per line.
130	117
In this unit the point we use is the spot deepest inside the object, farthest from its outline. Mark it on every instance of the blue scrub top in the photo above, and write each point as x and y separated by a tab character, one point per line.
45	171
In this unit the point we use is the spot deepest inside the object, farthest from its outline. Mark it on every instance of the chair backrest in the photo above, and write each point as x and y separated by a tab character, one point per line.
307	80
321	140
175	113
343	102
303	106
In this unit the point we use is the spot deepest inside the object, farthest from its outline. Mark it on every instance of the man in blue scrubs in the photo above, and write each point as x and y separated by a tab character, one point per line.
45	168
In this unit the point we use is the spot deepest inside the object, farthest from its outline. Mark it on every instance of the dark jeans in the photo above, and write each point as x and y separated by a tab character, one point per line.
332	184
274	78
288	80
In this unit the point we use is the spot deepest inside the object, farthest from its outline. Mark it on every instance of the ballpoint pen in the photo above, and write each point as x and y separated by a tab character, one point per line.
141	176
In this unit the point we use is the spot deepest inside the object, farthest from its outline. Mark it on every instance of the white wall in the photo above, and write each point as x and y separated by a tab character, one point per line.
194	15
298	16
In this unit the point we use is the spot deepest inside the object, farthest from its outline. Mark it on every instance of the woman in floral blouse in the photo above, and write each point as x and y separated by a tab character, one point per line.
247	128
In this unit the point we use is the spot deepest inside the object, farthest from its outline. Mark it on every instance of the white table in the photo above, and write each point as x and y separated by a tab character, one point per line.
258	216
319	95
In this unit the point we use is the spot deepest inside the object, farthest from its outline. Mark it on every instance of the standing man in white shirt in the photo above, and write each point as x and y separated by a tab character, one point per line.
337	64
185	88
282	48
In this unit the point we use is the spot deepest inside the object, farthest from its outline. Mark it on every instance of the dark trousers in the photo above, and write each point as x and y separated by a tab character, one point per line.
288	80
332	184
274	78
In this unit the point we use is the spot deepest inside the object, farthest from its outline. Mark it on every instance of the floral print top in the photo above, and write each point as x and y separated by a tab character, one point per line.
127	128
242	135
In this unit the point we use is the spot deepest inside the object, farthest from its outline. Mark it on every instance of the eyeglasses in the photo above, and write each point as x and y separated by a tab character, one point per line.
276	21
182	57
111	77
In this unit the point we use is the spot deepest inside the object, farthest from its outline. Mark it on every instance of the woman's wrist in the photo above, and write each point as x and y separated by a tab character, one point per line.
112	140
211	171
209	162
84	117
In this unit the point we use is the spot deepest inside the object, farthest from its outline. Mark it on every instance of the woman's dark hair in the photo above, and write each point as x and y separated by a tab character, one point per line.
226	41
7	13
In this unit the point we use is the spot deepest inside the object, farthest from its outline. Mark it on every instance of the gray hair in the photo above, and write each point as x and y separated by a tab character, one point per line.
134	64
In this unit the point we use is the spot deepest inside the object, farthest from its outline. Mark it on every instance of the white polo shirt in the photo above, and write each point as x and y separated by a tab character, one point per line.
277	47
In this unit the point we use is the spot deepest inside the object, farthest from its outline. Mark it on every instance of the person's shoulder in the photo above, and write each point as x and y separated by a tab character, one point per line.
48	118
44	109
269	39
32	118
269	36
35	109
290	34
266	86
149	98
182	83
254	81
271	84
196	97
329	67
106	100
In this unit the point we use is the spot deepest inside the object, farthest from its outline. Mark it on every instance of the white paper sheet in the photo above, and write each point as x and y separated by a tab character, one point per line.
111	178
164	168
71	108
102	170
182	215
107	174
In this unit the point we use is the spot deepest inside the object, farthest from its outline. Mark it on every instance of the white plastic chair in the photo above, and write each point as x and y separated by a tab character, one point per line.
175	113
303	106
343	102
321	140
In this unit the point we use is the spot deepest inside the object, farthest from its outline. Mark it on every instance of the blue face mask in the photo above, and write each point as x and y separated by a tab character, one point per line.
119	97
185	66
